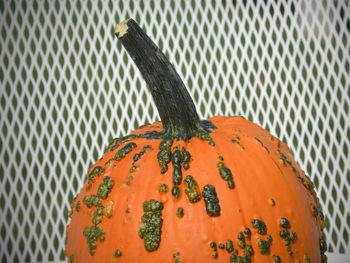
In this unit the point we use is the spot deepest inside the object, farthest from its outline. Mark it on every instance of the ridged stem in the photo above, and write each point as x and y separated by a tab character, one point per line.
175	106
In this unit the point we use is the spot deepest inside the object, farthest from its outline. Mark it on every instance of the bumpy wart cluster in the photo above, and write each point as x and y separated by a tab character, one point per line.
151	224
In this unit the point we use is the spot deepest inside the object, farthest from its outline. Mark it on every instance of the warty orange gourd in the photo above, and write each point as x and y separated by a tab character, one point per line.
186	190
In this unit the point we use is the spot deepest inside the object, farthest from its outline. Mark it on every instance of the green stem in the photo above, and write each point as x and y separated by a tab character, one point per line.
175	106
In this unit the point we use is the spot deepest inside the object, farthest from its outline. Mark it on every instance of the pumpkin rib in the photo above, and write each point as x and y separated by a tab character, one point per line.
295	182
212	178
228	156
284	176
291	180
288	181
246	183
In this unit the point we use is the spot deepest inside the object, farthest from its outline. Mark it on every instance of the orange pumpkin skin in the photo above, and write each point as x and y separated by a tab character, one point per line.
268	186
235	193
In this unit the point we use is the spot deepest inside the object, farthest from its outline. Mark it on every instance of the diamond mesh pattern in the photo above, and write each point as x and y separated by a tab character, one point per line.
67	88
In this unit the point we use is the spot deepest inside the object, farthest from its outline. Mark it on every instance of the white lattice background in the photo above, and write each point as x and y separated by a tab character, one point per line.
67	88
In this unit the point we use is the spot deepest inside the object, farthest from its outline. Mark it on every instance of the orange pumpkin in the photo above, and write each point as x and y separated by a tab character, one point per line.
185	190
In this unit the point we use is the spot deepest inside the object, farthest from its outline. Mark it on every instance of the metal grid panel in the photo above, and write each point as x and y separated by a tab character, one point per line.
67	88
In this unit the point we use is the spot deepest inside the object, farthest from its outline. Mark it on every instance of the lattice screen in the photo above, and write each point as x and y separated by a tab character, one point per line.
67	88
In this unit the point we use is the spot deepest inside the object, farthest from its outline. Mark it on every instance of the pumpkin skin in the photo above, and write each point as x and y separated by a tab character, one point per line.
267	193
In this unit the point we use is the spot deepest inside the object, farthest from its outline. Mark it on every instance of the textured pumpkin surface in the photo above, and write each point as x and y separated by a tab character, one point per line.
185	190
268	186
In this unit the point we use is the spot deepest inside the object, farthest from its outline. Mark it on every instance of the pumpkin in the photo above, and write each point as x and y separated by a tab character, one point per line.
191	190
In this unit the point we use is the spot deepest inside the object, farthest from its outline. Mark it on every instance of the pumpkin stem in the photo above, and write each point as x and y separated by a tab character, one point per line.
175	106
